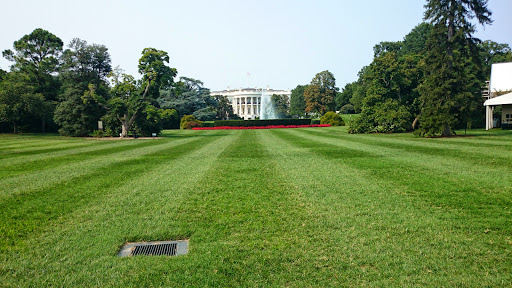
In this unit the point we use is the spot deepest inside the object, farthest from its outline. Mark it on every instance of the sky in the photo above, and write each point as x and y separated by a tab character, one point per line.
259	43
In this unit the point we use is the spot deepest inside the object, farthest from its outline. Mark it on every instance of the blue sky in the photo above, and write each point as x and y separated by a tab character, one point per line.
280	43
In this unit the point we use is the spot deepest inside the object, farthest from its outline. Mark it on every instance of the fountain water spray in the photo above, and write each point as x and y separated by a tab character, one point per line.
267	109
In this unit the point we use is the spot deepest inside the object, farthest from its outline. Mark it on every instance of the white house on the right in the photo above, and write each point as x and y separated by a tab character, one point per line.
500	94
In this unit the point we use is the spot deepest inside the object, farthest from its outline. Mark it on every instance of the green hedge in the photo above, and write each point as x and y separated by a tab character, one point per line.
270	122
315	121
208	124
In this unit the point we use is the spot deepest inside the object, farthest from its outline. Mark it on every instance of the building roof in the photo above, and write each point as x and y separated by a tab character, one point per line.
500	100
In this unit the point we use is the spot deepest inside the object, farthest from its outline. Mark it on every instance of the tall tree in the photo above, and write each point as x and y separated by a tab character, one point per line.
297	102
129	98
190	97
18	100
451	86
83	71
320	94
37	55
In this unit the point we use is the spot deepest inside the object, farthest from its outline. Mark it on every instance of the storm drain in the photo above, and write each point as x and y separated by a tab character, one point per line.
157	248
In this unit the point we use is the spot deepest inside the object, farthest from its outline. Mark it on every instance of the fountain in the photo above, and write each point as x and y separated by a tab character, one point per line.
267	109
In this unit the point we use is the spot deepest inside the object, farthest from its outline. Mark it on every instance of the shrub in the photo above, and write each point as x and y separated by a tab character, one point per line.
315	121
189	118
97	133
347	109
387	117
332	118
170	119
208	124
148	122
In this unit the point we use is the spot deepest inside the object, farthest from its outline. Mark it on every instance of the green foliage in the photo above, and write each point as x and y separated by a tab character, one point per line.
205	114
18	100
315	121
320	94
37	56
492	52
224	108
453	76
83	75
189	122
148	122
297	102
332	118
189	97
97	133
208	124
386	117
79	114
347	109
155	73
267	122
281	105
170	119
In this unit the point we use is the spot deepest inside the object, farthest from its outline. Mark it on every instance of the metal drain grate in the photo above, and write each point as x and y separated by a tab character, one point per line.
167	248
155	249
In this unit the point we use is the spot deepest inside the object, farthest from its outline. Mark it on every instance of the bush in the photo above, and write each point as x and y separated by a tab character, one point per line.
170	119
189	118
315	121
347	109
97	133
208	124
387	117
148	122
332	118
269	122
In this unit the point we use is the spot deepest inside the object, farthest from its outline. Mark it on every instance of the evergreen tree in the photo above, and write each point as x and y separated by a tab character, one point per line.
451	86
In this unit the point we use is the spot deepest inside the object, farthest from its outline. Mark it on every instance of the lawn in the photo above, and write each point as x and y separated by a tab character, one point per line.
284	207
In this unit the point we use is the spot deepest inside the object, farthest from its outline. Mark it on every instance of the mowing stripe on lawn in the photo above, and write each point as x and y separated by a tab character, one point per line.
24	164
37	180
389	232
440	182
23	215
141	208
497	155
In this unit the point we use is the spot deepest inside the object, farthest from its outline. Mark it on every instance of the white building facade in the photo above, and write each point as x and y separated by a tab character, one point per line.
249	103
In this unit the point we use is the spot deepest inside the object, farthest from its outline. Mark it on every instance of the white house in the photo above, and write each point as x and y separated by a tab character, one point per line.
250	103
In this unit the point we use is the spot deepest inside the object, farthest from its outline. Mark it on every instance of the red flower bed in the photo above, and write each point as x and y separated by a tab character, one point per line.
260	127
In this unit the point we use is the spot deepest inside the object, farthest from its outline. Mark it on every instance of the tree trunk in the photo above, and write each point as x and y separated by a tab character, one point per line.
124	132
43	125
15	128
415	122
446	130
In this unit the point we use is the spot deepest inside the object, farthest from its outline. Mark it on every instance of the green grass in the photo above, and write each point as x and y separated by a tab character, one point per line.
284	207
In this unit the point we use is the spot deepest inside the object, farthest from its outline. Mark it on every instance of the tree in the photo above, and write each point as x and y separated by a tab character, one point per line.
128	97
37	55
190	97
343	97
281	105
224	108
492	52
18	101
83	74
320	94
451	85
297	102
